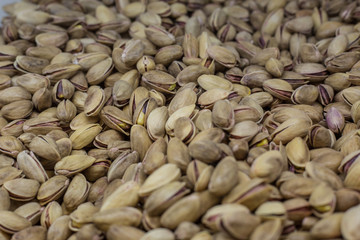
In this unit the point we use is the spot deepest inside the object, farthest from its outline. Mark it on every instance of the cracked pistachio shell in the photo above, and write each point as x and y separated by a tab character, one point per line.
82	215
271	210
298	153
21	189
116	119
34	232
350	180
350	223
156	122
70	165
268	230
77	192
291	128
189	208
121	163
142	111
165	174
205	150
4	200
199	173
222	56
323	200
159	36
139	140
177	153
239	225
321	173
164	197
11	222
328	227
60	228
95	101
224	177
124	196
84	135
51	212
278	88
208	82
30	211
66	111
298	187
100	71
267	166
306	94
187	111
127	216
10	145
155	156
59	71
223	115
18	109
185	129
251	194
159	234
215	214
124	232
45	147
31	166
52	189
244	130
186	230
28	64
8	173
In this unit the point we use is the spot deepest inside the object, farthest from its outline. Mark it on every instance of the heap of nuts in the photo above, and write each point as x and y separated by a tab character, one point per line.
188	119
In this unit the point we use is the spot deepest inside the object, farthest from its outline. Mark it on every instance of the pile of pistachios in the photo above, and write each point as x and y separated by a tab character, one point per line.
180	120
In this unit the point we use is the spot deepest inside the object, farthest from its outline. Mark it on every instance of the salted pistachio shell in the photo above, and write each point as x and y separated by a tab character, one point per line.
159	233
164	197
222	178
163	175
31	167
60	228
124	232
182	98
95	100
82	215
77	192
291	128
70	165
323	200
34	232
298	153
121	163
116	119
199	173
222	55
10	145
52	189
21	189
12	222
267	166
208	82
30	211
251	193
9	173
51	212
84	135
189	208
127	216
124	196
